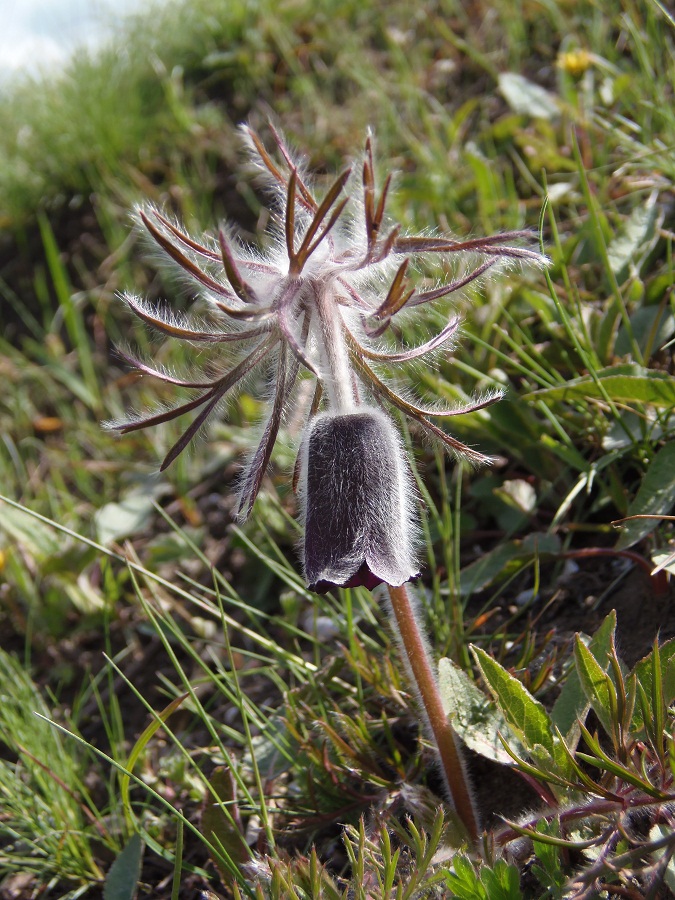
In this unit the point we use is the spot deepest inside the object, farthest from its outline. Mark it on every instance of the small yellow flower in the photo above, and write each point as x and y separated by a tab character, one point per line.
575	62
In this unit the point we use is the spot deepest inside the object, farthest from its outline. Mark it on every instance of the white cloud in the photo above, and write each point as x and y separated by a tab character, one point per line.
38	35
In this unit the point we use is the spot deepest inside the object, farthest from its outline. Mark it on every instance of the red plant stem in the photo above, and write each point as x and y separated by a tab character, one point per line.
444	735
659	581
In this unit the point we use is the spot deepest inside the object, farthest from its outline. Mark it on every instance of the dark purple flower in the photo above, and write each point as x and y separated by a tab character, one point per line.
319	302
358	500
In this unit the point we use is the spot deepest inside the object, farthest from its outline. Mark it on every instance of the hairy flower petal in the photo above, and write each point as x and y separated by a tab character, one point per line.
358	502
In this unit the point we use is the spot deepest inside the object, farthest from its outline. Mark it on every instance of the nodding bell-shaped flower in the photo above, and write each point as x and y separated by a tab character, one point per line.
320	301
358	502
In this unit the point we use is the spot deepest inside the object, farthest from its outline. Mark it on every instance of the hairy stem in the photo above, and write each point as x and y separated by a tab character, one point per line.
338	377
444	735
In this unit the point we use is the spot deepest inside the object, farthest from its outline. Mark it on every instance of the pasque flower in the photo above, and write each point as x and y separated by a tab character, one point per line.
321	301
358	502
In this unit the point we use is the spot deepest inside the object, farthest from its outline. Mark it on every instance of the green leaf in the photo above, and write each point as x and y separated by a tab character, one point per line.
568	454
34	536
548	868
655	496
596	684
120	520
652	326
572	703
140	746
504	560
124	874
502	882
627	383
638	232
221	824
644	673
525	714
527	98
464	881
477	720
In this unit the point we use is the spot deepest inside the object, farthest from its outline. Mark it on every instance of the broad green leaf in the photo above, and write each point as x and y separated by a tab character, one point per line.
477	720
652	326
644	672
572	703
124	874
655	496
663	559
36	537
638	232
525	714
596	684
130	515
527	98
221	825
504	560
628	383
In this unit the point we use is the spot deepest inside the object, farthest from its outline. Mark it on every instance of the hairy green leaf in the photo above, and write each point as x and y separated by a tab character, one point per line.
220	822
628	383
124	873
596	684
572	703
525	714
644	673
477	720
655	496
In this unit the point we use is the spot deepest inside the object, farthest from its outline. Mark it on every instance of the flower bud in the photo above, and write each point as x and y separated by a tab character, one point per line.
358	502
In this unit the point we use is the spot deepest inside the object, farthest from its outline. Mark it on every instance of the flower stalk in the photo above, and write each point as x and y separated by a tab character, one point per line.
418	661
